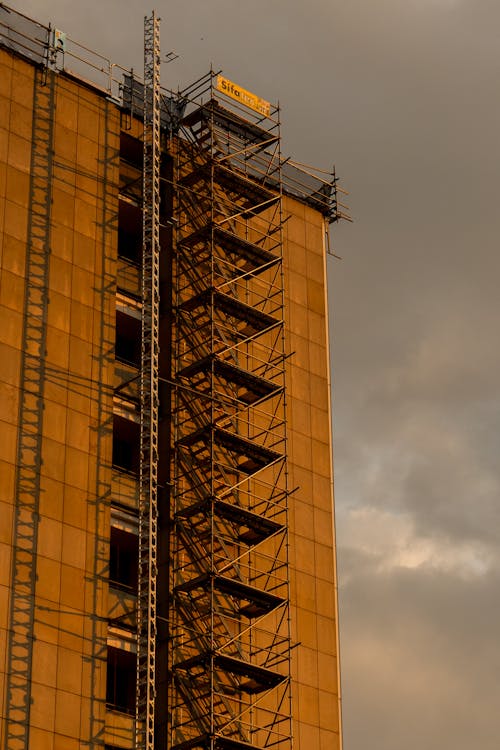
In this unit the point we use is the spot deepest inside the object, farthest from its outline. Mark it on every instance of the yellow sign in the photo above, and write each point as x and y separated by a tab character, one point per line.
243	96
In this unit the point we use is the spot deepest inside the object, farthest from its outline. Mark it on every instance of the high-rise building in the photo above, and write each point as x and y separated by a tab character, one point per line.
167	559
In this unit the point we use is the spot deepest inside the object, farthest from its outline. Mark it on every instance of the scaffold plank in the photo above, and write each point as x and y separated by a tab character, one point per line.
213	113
259	602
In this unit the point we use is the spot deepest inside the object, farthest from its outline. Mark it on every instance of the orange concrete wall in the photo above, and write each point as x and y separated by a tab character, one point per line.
315	666
68	679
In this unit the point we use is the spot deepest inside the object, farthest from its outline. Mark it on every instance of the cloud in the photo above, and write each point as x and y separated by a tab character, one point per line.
420	656
392	541
422	430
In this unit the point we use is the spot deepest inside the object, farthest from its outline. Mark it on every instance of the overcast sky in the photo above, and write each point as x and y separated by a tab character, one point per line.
403	96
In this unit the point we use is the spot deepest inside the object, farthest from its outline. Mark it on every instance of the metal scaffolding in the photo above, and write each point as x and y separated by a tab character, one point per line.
230	641
148	477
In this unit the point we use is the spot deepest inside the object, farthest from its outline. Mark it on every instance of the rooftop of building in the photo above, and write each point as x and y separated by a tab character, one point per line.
46	46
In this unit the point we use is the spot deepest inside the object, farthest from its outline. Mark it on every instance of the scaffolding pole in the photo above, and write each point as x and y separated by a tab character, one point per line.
148	510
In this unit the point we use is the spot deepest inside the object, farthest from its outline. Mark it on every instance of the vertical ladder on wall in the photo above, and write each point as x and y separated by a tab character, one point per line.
146	615
30	420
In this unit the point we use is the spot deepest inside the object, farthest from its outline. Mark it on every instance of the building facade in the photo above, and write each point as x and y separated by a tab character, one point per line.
167	556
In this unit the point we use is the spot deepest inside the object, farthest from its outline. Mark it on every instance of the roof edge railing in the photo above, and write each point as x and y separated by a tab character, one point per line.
45	45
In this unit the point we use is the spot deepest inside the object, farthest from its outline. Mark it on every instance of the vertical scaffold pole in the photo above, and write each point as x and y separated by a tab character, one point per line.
146	616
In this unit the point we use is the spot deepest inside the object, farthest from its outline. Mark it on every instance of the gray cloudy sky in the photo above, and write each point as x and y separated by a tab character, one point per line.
403	96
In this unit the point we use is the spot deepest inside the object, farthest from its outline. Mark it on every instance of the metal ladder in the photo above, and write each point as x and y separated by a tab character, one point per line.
148	478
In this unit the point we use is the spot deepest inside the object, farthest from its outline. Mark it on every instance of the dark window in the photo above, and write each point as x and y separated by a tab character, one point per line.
126	439
131	149
130	232
128	339
129	245
123	556
120	680
131	168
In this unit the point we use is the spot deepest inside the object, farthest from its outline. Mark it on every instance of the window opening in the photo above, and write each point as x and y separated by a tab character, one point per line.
128	339
131	150
129	232
126	436
123	557
120	680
